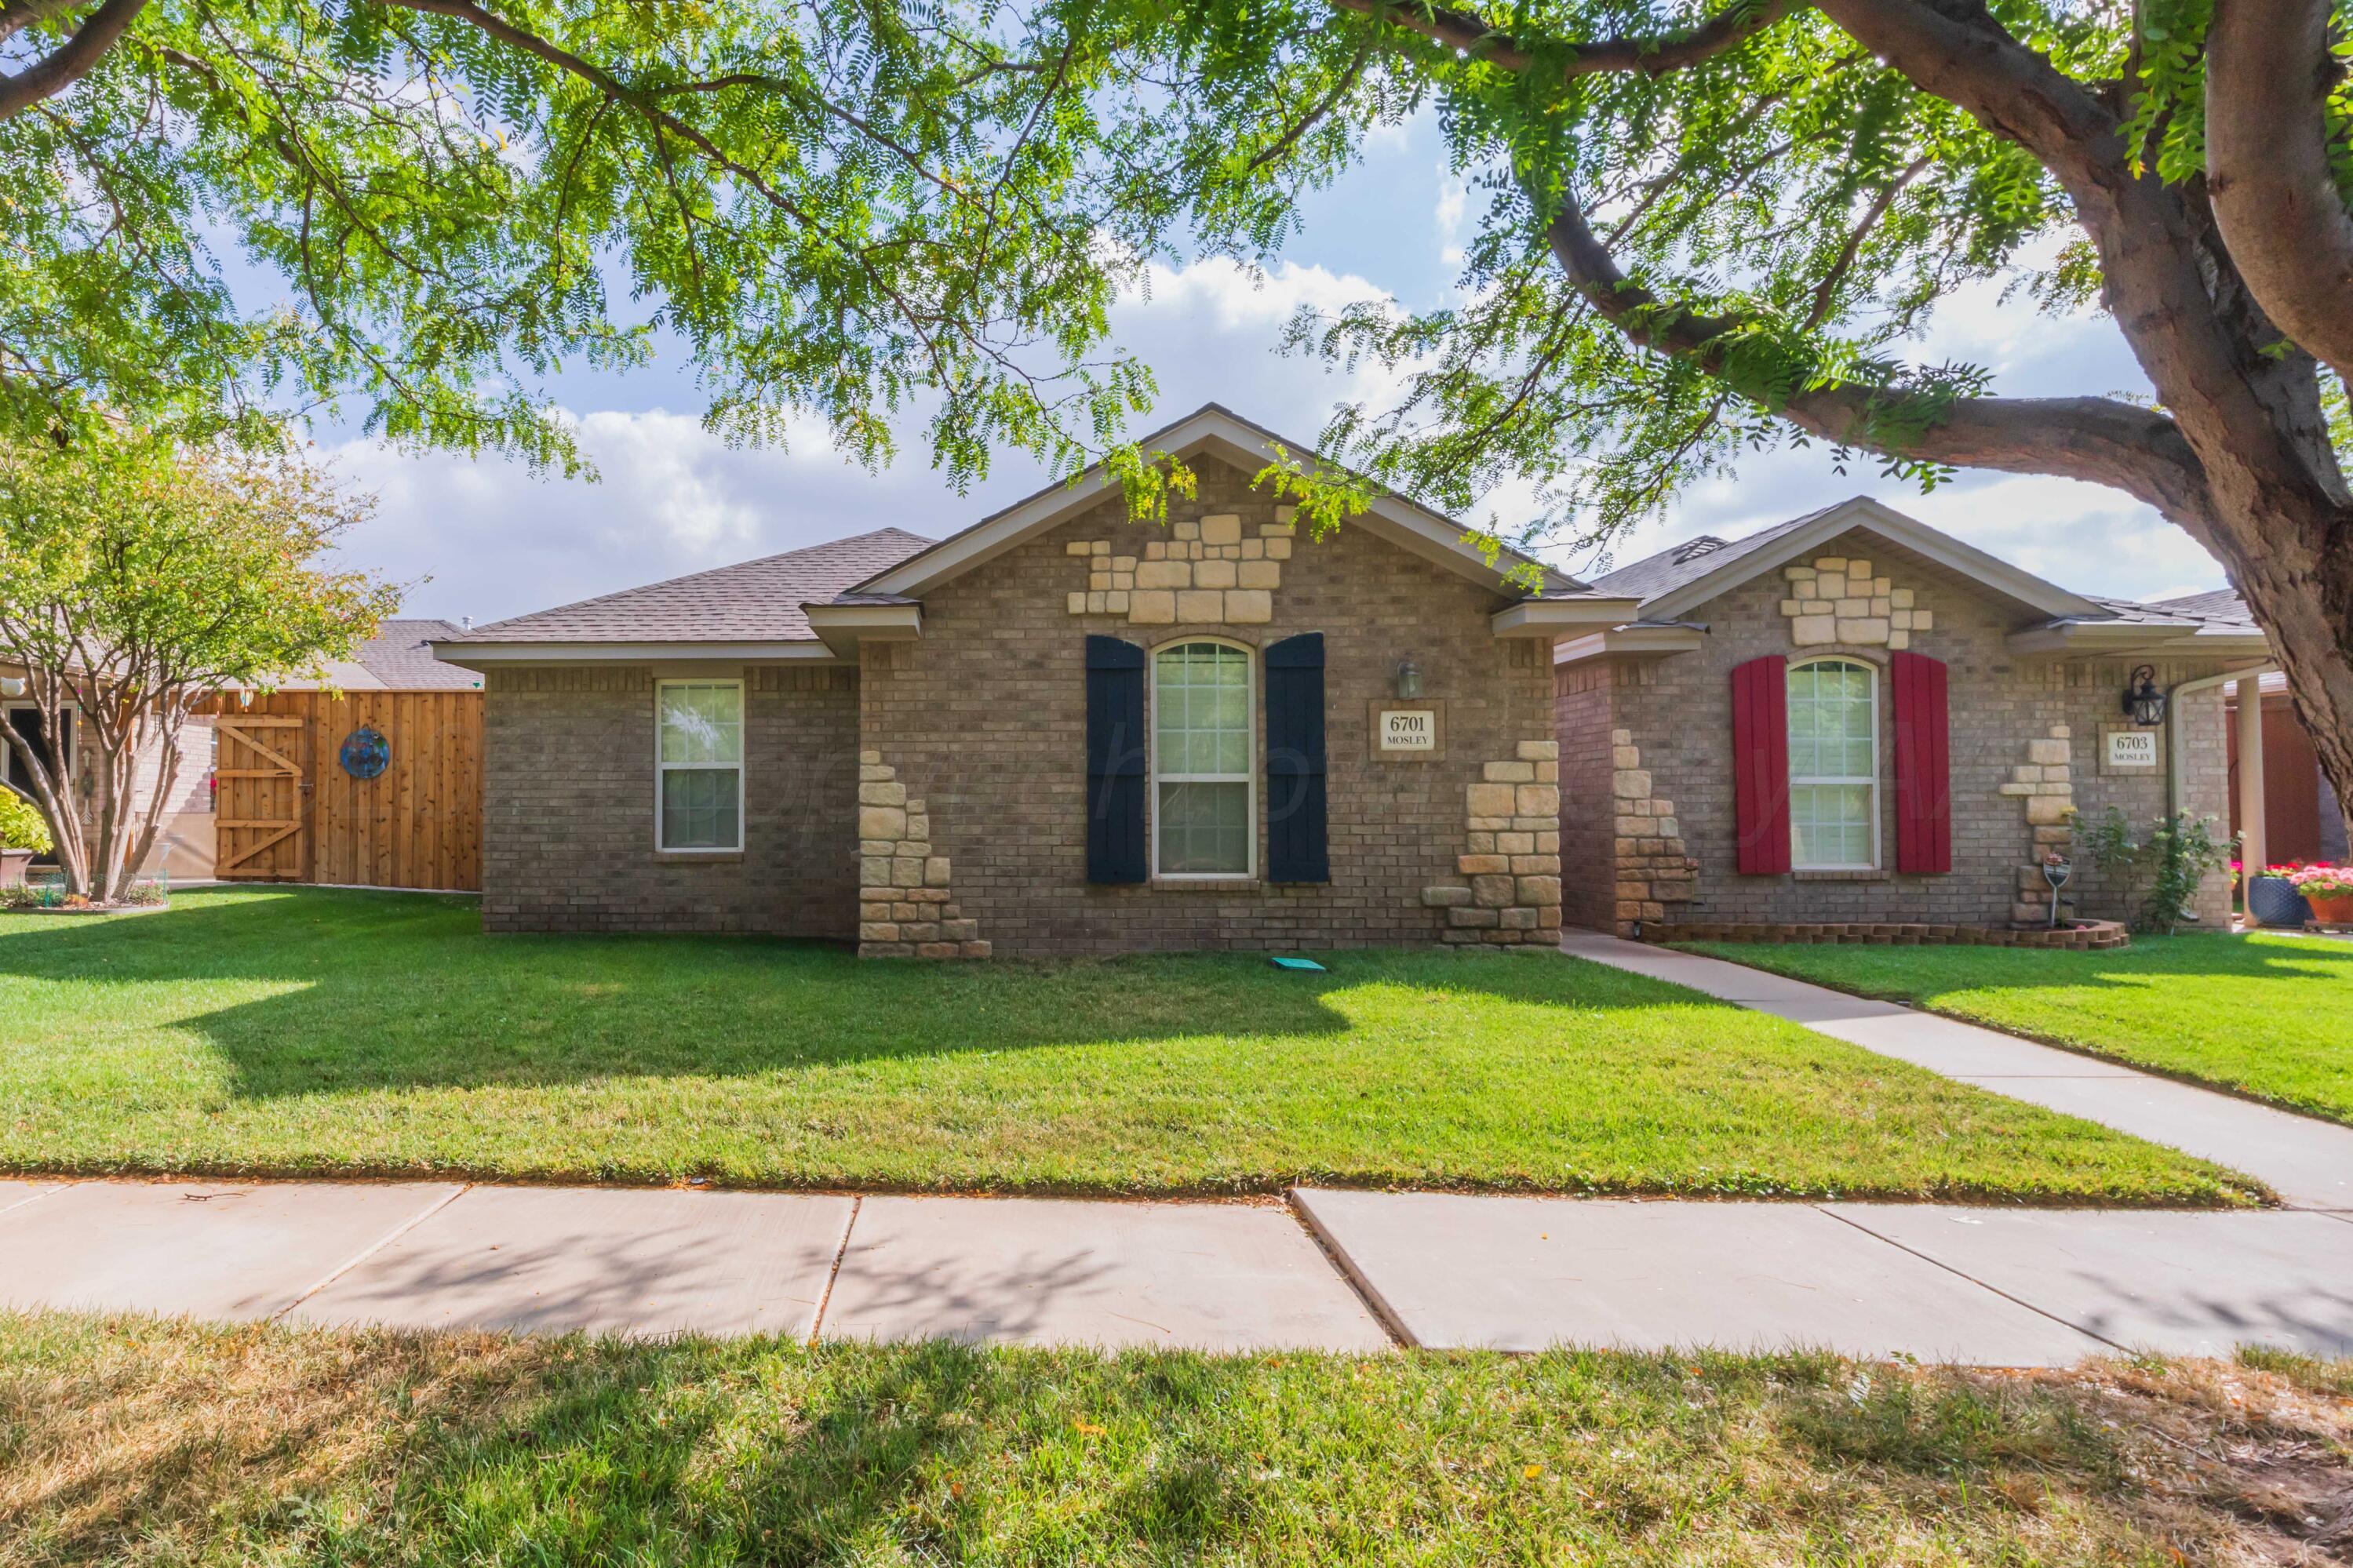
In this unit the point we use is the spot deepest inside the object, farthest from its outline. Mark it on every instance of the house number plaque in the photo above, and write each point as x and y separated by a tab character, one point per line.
1408	731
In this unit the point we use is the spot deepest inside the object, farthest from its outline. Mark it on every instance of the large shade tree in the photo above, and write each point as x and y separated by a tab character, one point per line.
1707	229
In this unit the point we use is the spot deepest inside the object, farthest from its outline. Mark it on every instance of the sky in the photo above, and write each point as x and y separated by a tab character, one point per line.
487	538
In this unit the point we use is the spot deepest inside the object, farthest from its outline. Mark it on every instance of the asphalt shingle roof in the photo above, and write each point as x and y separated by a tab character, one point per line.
2221	604
752	601
1670	569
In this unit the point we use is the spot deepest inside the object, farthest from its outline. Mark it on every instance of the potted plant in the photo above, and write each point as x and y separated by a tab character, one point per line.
2273	899
2329	890
23	835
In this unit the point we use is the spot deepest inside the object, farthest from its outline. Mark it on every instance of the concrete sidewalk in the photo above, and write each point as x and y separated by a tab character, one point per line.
1988	1285
2308	1162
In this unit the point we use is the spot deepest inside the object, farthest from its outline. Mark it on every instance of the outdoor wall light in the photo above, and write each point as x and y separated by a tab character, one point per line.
2143	703
12	686
1409	679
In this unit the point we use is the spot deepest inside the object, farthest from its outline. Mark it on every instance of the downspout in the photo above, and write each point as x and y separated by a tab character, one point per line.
2173	696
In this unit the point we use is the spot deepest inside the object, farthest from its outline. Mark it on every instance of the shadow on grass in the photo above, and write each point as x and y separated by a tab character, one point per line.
371	990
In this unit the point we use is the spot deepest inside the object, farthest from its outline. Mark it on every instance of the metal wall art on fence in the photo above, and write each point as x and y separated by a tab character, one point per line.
367	753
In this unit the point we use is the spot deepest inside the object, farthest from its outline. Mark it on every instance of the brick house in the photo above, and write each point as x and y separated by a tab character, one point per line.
1058	730
1855	717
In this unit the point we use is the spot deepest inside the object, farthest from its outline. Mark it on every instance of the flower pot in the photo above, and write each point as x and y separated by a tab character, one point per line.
2333	908
12	867
2274	901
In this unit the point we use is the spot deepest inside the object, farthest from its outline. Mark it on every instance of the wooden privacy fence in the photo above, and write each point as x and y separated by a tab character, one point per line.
287	811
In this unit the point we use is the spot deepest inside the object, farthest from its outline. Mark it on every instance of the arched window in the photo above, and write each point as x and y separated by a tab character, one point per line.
1833	765
1204	807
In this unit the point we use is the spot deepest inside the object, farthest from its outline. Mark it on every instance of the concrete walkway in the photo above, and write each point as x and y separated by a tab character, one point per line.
1990	1286
2308	1162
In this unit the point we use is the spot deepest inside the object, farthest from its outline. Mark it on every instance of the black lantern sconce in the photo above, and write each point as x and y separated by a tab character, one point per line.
1409	679
2143	703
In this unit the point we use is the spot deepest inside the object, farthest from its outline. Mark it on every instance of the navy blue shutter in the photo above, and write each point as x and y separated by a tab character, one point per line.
1295	826
1115	761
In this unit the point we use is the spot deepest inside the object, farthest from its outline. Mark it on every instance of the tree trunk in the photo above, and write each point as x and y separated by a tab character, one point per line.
2293	566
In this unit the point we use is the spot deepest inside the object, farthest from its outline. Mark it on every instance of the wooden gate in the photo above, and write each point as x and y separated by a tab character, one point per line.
259	761
288	811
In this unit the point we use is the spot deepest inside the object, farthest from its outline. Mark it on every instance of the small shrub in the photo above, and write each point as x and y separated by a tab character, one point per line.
21	827
2159	874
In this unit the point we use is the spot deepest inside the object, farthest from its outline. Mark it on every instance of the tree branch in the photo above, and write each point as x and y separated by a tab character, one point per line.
1655	56
18	15
69	61
2268	77
2134	449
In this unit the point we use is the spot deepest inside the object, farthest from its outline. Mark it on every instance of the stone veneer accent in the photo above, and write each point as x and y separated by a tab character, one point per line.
1510	856
2043	780
1205	574
1653	867
905	908
1837	600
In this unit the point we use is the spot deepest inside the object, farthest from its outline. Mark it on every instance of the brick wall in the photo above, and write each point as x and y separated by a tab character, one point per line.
568	828
984	720
1678	710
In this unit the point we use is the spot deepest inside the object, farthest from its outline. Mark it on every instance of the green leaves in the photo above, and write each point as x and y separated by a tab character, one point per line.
169	568
419	211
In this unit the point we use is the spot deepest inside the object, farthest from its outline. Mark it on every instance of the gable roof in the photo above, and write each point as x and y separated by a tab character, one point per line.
1677	580
751	601
1218	431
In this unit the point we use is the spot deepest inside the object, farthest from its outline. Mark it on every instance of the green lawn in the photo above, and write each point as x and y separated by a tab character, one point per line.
140	1444
2269	1016
321	1032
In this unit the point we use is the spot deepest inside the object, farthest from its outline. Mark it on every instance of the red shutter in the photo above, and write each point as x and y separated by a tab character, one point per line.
1760	763
1924	795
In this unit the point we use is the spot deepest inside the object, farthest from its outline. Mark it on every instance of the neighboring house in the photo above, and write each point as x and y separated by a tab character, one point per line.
183	838
1855	717
1059	731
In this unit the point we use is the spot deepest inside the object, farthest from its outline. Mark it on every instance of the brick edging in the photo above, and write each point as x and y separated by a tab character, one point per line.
2085	937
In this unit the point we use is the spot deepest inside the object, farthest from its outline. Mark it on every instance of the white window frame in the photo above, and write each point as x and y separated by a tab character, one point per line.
1246	778
1872	783
743	764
